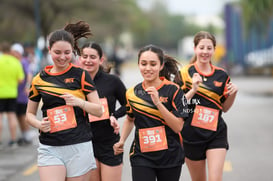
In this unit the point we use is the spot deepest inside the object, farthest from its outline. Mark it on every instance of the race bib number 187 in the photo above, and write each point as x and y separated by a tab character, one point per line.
205	117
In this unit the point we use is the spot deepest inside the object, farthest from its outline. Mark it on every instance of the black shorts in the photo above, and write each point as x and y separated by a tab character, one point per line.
197	152
8	105
159	174
104	152
21	109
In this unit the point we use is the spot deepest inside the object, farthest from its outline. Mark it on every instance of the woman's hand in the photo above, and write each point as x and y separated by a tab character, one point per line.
232	89
114	124
118	148
71	100
196	80
154	95
45	125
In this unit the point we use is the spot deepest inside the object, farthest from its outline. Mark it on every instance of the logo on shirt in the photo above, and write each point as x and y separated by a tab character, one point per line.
163	99
69	80
217	84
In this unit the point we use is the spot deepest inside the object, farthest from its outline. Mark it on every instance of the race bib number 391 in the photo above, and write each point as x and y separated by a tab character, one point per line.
153	139
206	118
61	118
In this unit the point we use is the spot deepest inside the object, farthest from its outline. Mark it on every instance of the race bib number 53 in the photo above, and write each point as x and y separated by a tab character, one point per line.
153	139
61	118
206	118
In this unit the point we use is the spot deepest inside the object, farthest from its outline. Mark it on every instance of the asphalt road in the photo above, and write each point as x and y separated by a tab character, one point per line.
250	125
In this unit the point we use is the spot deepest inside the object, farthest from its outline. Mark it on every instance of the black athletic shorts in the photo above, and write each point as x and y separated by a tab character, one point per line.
21	109
198	151
8	105
104	152
159	174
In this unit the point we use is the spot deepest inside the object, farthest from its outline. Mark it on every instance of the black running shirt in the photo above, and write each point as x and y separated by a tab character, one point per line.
212	92
110	87
141	107
47	86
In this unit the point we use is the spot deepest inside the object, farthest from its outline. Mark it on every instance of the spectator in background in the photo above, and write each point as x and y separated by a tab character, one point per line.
11	74
32	54
22	98
118	58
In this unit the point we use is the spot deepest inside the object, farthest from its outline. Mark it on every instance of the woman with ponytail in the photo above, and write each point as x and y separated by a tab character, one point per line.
68	94
209	92
155	109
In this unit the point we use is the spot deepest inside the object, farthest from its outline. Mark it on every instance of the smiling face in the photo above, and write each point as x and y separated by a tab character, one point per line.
61	53
149	65
204	50
90	60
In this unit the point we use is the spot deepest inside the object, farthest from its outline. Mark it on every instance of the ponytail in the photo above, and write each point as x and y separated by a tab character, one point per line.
71	33
171	69
78	30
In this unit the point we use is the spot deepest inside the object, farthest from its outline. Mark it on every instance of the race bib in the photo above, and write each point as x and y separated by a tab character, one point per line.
206	118
61	118
105	112
153	139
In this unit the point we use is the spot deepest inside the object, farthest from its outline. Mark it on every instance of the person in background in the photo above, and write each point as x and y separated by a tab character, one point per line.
155	108
208	92
68	94
11	74
106	128
22	98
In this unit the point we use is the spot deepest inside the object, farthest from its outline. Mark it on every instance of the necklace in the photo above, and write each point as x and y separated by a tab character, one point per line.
205	79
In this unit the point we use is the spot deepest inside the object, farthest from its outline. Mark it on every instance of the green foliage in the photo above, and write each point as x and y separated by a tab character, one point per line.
19	20
257	13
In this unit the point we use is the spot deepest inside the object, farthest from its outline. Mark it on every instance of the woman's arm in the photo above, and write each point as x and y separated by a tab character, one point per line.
126	130
196	80
232	92
31	112
92	105
175	123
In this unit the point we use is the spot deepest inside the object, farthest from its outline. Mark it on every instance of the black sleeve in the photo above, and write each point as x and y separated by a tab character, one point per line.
120	92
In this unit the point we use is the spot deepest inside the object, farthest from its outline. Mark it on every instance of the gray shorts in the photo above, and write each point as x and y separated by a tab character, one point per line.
78	159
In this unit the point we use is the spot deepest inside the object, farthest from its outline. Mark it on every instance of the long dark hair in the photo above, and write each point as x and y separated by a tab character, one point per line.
200	36
105	67
71	33
171	69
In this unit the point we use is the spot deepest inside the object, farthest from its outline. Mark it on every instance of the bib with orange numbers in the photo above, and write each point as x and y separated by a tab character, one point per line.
61	118
205	117
153	139
105	112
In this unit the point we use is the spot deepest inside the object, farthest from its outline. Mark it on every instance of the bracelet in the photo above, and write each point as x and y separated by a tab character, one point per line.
157	103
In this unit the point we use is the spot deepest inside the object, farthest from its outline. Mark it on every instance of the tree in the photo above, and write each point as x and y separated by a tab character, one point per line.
107	17
257	13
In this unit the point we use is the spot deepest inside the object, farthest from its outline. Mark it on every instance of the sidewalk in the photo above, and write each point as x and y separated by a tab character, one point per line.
261	85
14	160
